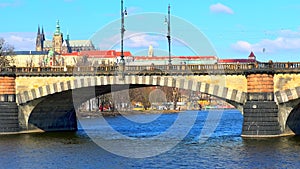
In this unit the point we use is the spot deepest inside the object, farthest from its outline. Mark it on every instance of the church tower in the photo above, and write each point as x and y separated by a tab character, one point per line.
40	38
150	51
57	39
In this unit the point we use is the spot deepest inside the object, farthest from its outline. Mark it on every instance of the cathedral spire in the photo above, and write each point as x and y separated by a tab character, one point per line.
38	32
43	35
57	31
39	44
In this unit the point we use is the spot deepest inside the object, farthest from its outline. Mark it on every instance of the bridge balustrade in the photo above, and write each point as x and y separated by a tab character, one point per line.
7	69
288	65
237	68
161	67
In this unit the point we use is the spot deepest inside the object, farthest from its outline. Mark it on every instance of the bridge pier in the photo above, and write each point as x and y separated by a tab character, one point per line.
260	110
8	107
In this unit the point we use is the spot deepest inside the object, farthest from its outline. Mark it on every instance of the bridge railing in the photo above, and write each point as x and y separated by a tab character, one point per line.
63	69
286	65
237	68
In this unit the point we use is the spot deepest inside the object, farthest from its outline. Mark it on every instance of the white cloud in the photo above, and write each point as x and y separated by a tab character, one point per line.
131	40
220	8
141	41
289	33
20	40
286	40
242	46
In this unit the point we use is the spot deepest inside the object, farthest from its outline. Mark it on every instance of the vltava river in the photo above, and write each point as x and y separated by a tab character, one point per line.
223	149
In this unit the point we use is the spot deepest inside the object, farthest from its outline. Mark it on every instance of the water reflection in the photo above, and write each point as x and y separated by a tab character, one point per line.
224	149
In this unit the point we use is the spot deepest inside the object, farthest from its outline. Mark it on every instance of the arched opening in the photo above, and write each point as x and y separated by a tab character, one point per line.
58	111
54	113
293	120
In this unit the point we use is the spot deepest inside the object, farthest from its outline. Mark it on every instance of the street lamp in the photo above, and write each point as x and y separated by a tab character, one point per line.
167	21
122	61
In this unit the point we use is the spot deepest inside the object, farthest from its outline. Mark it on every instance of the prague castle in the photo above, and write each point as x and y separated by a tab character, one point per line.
66	52
60	45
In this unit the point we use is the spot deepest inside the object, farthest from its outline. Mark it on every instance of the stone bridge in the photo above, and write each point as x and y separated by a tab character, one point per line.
268	97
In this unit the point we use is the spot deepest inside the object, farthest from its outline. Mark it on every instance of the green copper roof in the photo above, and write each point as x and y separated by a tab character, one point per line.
57	31
68	37
51	53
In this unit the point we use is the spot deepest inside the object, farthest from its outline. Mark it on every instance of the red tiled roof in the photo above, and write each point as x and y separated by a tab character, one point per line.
126	53
252	55
71	54
98	53
103	53
176	57
114	54
236	60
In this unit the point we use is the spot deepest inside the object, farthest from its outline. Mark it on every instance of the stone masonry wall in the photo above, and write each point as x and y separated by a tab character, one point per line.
260	110
8	107
7	88
27	83
286	81
258	83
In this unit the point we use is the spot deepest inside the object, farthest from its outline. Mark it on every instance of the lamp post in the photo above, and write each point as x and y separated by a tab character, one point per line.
167	21
122	61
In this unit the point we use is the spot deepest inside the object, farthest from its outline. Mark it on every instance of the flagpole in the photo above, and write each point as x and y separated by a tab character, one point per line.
169	35
122	60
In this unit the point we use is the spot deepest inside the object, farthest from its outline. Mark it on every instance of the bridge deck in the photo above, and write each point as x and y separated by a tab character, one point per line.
208	69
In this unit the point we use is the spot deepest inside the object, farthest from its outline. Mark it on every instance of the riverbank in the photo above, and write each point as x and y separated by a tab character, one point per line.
95	114
22	132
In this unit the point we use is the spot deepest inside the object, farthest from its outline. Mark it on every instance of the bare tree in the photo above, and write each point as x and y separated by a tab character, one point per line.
141	95
6	54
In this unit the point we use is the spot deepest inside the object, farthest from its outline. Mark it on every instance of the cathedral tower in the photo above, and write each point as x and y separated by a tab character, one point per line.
57	39
40	38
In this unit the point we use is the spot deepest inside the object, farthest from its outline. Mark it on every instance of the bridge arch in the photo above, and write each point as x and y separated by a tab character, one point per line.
289	109
232	95
60	96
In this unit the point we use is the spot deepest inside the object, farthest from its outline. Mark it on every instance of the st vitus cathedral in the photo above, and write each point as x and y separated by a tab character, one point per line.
60	45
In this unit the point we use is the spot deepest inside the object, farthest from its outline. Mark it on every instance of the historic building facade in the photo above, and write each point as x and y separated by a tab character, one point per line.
60	45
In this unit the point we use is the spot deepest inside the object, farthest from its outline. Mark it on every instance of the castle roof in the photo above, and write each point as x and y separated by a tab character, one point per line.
73	43
104	53
80	43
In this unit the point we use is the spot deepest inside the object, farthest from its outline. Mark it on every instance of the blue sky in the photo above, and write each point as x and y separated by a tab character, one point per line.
234	28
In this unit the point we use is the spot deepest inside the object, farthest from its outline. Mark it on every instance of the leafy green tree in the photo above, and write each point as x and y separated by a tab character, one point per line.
6	54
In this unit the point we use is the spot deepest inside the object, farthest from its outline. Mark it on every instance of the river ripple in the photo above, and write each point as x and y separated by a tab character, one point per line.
224	149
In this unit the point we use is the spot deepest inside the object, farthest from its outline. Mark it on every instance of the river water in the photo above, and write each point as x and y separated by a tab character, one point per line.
221	148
